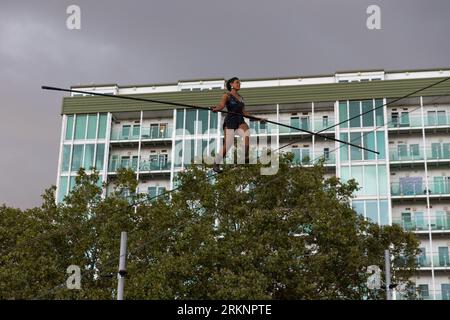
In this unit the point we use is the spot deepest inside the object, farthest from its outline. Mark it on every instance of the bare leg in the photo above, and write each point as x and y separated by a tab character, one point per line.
244	133
228	140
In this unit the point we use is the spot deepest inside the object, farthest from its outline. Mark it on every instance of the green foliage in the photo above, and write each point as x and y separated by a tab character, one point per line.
243	236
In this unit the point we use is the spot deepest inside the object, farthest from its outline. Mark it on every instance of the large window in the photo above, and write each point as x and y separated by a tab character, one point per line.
66	158
80	126
367	179
69	127
196	122
92	126
362	114
102	126
62	188
367	140
89	156
100	156
77	156
376	211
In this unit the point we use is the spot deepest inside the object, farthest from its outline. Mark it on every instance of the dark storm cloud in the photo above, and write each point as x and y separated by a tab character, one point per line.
164	41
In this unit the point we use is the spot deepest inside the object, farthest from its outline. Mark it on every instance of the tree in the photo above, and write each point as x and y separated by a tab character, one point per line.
241	235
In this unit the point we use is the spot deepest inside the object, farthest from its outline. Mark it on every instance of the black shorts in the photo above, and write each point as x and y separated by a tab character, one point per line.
233	122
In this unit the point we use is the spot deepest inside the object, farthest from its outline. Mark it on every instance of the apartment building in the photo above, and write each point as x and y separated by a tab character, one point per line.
407	183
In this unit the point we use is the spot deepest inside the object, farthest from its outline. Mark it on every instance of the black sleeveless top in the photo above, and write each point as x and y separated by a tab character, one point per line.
233	121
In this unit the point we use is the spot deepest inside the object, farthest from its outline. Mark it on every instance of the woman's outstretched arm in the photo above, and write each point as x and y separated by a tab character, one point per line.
221	105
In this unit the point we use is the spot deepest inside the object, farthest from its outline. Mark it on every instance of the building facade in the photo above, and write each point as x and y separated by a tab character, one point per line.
407	183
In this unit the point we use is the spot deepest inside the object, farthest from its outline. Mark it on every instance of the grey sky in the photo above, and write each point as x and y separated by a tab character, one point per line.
132	42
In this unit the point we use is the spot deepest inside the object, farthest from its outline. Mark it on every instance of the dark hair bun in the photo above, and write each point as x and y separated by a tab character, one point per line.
229	81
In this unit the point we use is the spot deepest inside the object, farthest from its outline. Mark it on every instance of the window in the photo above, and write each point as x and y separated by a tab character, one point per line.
301	155
77	156
325	121
372	211
436	151
343	116
326	153
394	119
414	151
367	106
382	180
213	122
136	130
102	126
180	121
69	127
379	112
62	188
66	158
304	123
354	112
404	119
114	163
89	156
202	121
154	131
134	163
126	131
370	178
125	162
355	138
446	150
423	291
381	145
80	126
443	257
100	156
190	121
92	126
295	122
369	143
343	150
402	151
178	153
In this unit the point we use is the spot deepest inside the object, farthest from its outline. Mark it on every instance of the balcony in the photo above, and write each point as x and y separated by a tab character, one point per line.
440	221
145	166
305	124
440	260
148	133
310	159
437	188
427	295
437	154
322	124
430	121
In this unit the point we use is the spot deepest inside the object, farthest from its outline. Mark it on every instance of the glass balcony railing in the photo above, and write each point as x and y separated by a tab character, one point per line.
305	125
407	189
416	121
416	189
154	166
427	295
438	222
321	124
436	153
157	133
314	158
395	155
144	165
440	260
146	134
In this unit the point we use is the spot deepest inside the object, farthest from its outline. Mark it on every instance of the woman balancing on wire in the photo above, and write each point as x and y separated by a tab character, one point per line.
234	122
